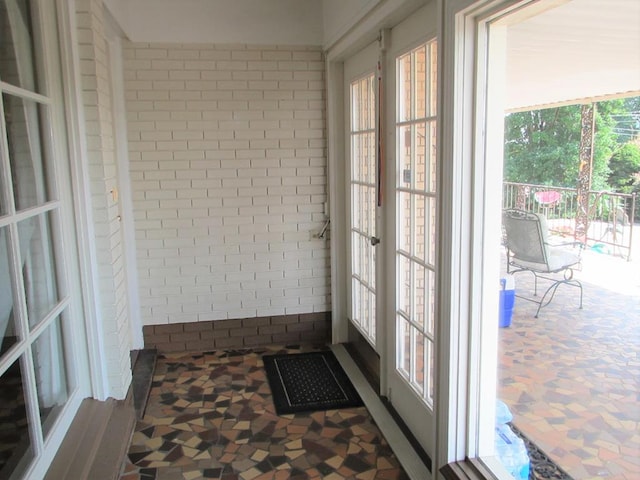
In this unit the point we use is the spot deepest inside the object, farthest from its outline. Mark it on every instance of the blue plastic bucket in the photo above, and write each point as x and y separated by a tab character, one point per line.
507	300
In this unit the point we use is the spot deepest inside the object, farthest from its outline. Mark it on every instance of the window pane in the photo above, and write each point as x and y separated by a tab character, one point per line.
430	229
8	329
355	101
38	267
404	88
15	443
419	227
404	346
356	221
51	374
419	296
420	82
418	361
405	174
430	152
432	73
17	59
420	152
430	306
404	285
369	158
27	154
371	104
404	222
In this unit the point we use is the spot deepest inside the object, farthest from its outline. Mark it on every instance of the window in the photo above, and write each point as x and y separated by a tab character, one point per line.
416	217
363	206
35	383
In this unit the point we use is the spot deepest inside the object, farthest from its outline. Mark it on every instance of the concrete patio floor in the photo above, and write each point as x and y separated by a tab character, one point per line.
572	376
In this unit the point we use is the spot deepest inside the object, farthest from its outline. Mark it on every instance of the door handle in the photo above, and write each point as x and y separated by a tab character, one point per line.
374	241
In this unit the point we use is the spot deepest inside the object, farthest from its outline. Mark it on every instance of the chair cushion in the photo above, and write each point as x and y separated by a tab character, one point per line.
558	258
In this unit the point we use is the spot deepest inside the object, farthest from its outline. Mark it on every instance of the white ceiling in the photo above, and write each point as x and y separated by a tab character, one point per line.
573	52
579	51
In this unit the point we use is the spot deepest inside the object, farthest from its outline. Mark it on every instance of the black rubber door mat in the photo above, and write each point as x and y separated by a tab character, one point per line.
306	382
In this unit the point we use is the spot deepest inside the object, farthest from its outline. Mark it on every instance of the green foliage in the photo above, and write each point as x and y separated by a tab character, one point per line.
625	169
542	146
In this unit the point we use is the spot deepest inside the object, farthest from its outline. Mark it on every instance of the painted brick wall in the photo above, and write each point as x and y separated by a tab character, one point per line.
228	168
96	90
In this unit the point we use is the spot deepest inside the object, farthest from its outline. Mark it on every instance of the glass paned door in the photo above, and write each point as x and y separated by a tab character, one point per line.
34	377
412	326
362	188
416	218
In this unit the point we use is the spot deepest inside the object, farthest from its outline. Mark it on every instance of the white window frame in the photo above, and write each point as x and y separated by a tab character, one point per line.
58	54
472	116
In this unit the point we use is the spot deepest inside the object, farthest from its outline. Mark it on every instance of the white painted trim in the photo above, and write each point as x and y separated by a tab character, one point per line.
82	200
467	375
404	451
365	30
124	182
455	78
337	201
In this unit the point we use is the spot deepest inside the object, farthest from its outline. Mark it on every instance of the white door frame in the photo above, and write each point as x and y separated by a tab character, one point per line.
95	342
337	97
125	198
468	202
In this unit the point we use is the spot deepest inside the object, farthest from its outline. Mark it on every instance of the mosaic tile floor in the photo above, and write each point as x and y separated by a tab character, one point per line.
212	416
572	379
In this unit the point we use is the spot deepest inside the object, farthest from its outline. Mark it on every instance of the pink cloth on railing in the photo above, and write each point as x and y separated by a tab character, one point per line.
547	197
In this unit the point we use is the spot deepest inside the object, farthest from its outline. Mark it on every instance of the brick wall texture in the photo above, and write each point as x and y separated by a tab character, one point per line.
98	113
239	333
228	168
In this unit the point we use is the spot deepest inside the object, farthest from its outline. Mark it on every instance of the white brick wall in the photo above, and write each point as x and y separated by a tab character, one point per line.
98	112
228	166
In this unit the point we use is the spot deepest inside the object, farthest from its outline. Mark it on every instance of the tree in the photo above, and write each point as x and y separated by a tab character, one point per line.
542	146
625	168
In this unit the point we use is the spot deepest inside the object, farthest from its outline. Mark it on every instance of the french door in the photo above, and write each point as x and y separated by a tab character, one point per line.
411	365
391	193
361	85
38	379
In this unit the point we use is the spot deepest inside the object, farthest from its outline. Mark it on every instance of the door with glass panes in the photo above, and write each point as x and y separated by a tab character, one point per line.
36	381
361	175
396	314
411	366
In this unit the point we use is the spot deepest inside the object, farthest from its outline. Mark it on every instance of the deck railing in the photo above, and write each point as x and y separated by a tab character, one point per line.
610	215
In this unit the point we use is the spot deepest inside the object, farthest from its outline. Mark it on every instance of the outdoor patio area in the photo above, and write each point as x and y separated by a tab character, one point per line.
572	377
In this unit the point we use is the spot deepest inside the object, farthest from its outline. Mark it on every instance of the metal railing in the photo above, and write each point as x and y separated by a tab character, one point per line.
610	215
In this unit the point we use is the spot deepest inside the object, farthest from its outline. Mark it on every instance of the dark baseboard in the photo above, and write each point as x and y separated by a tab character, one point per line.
424	456
239	333
144	364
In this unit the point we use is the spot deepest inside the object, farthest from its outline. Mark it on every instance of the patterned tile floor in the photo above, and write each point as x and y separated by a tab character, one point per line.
572	377
211	416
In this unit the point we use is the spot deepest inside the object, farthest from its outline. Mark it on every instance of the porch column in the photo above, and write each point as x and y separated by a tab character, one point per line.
587	130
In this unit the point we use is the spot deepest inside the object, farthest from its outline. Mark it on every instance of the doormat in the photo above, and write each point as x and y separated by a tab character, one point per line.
542	467
306	382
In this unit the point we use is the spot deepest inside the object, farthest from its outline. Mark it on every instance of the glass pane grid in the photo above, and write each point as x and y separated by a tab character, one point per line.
34	384
363	206
416	218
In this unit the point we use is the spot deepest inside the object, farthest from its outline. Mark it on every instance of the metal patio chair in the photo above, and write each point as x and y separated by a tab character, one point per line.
526	238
